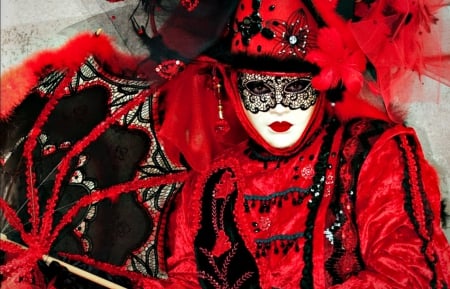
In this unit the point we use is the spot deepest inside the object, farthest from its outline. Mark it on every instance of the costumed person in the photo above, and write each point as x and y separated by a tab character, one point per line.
256	165
307	201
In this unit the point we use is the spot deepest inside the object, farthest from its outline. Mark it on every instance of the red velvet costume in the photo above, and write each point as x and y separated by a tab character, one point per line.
332	215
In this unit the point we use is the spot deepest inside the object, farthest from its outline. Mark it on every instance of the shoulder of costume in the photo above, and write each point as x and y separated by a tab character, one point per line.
17	82
373	133
377	134
396	131
368	125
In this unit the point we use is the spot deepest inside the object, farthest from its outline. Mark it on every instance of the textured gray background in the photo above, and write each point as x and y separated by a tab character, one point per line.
28	26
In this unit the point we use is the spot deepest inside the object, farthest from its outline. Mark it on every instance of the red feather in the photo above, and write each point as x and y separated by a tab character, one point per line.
339	63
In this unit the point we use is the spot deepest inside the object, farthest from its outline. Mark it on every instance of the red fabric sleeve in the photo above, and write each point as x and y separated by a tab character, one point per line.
390	246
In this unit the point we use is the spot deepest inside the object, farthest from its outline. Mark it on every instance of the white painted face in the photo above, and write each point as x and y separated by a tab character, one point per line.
279	107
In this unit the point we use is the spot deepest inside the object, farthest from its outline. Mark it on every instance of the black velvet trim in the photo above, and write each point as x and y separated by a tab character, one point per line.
346	9
321	166
270	63
337	93
365	142
366	139
256	152
314	13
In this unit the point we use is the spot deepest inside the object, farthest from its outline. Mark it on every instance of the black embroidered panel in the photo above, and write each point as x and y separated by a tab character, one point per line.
235	267
321	166
345	259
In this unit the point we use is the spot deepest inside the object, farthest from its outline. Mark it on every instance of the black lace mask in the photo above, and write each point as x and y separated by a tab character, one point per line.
262	92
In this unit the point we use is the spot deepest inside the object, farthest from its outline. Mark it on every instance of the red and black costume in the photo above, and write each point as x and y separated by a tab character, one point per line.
320	218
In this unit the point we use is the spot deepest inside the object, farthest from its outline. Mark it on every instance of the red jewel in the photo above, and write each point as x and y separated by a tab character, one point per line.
265	223
308	172
190	5
221	127
64	145
329	180
169	68
347	264
85	244
358	128
48	149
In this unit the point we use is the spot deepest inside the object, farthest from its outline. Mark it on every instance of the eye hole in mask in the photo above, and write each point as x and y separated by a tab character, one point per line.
297	86
258	87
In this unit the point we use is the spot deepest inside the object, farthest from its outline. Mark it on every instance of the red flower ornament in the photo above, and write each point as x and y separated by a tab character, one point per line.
293	35
225	187
340	64
222	245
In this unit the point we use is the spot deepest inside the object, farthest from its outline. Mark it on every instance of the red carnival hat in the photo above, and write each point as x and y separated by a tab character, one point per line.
297	35
275	29
300	36
350	43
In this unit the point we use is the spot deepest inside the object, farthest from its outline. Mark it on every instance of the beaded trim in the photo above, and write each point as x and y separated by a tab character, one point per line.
418	207
319	179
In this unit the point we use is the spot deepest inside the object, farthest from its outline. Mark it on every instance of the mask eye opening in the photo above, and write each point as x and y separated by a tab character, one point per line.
258	87
298	85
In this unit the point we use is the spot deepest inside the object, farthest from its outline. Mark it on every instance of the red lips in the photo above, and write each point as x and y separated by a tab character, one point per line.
280	126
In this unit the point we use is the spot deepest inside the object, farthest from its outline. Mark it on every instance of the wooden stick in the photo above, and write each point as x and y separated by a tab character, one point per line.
72	269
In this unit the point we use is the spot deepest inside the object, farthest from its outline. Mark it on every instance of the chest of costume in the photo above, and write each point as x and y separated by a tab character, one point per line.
261	208
282	214
276	209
